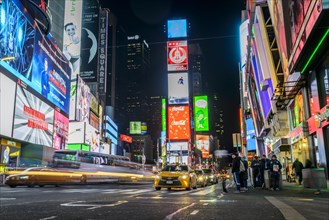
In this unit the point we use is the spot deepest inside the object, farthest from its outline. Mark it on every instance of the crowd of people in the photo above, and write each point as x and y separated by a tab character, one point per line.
257	169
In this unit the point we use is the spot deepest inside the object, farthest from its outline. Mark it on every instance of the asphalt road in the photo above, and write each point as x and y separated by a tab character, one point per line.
113	201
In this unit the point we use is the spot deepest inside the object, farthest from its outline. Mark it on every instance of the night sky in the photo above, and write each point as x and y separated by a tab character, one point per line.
214	24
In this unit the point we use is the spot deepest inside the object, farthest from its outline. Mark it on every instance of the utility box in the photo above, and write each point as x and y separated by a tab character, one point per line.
314	178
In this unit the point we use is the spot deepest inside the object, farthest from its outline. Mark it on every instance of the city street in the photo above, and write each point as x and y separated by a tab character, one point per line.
112	201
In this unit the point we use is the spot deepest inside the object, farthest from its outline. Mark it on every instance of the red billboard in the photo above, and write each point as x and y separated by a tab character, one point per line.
177	55
126	138
179	122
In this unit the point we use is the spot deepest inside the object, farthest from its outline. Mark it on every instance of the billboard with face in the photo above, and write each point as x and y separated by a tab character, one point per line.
61	129
72	34
33	119
179	122
177	56
83	101
202	143
177	28
201	113
92	138
178	88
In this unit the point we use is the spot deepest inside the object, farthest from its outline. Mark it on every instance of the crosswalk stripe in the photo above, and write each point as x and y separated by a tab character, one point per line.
137	191
204	192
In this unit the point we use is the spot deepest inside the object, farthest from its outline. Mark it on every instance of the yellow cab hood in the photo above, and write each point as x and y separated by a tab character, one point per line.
172	173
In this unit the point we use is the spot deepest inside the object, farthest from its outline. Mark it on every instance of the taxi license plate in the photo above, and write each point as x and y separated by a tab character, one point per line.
170	182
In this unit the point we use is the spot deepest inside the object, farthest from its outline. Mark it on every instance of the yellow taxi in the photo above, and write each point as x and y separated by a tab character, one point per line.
176	176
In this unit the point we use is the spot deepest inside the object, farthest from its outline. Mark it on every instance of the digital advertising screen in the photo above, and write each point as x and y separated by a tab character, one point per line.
143	128
51	73
179	122
94	104
92	138
126	138
177	146
16	39
163	144
296	111
33	119
83	101
135	127
178	92
61	129
89	41
251	135
163	115
202	143
201	115
177	28
94	120
177	56
72	34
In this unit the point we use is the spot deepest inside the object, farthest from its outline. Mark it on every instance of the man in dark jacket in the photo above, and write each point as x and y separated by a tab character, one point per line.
298	166
244	175
275	168
264	165
236	171
255	166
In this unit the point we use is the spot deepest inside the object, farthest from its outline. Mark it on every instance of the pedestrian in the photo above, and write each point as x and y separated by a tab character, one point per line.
236	171
224	176
244	175
264	165
255	166
298	166
275	168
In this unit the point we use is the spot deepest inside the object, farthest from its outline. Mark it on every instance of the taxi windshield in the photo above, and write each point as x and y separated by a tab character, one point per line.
175	168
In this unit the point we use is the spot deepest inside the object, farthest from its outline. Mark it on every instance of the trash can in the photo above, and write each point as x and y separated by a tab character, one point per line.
314	178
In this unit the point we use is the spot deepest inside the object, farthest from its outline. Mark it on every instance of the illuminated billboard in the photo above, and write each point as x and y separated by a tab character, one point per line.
92	138
177	146
89	41
177	55
126	138
163	114
178	88
102	50
202	143
135	127
251	136
143	128
72	34
201	113
83	101
32	57
178	122
17	39
163	144
33	119
177	28
61	129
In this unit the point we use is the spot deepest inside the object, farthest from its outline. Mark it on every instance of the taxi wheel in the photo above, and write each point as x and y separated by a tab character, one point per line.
12	186
83	180
41	185
157	188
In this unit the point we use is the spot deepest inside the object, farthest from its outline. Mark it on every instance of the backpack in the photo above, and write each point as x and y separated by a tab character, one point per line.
242	168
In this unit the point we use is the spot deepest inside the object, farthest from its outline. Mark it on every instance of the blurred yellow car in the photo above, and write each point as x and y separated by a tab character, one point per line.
176	176
42	176
202	179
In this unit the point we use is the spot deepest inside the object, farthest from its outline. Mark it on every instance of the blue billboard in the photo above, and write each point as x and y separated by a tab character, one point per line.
251	136
32	57
177	28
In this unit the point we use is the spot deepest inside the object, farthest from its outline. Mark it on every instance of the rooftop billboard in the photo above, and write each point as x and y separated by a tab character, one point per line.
177	28
177	56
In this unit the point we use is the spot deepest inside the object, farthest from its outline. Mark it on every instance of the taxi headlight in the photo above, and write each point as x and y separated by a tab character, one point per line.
211	176
200	178
227	176
24	177
184	177
157	177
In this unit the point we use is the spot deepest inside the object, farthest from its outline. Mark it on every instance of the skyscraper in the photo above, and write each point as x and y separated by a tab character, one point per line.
217	117
132	86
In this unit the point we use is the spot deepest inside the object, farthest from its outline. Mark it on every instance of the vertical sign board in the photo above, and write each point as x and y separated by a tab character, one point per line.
202	143
102	50
201	113
177	56
72	34
83	101
89	41
179	122
178	92
61	129
163	113
251	138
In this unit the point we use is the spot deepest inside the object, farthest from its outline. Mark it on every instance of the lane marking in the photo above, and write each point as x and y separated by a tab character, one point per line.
204	192
287	211
92	206
137	191
4	199
194	212
51	217
205	203
169	217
